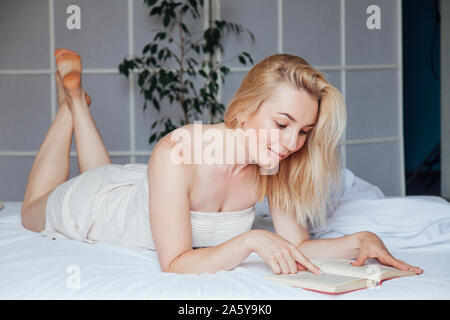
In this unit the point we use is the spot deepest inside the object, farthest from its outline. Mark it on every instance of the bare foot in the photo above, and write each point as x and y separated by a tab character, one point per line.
68	79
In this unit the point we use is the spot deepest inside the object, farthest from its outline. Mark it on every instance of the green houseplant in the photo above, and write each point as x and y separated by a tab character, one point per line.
172	41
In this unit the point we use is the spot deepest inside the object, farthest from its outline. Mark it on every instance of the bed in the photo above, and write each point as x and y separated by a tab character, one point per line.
416	229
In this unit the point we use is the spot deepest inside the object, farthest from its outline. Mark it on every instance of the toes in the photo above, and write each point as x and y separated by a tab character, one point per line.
62	51
65	57
68	57
72	52
58	52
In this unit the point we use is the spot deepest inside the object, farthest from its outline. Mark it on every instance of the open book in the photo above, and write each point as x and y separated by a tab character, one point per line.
340	276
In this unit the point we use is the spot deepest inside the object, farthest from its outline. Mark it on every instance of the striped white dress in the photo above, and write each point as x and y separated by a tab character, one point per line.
110	204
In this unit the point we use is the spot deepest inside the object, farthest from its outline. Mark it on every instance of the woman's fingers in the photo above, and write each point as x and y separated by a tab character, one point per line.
274	265
287	255
417	270
390	260
360	260
283	265
305	261
399	264
387	259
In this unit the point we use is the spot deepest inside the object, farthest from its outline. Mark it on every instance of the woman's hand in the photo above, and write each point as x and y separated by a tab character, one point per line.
371	246
281	255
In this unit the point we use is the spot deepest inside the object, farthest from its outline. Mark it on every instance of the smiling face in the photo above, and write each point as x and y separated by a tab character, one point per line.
292	113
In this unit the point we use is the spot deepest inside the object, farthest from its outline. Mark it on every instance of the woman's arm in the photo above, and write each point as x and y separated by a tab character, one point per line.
360	246
281	255
225	256
285	225
346	247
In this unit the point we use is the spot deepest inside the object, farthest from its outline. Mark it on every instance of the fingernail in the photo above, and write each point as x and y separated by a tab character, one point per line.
321	272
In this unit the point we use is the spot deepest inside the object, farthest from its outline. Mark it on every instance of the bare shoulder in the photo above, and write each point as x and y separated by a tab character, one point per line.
167	143
170	147
164	159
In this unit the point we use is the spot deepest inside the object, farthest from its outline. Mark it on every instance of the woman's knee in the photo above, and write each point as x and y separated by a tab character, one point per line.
25	217
33	214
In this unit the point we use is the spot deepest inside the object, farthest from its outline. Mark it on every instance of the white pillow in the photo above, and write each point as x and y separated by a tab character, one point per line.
353	188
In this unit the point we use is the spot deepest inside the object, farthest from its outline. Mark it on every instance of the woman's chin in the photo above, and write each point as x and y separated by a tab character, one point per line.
269	167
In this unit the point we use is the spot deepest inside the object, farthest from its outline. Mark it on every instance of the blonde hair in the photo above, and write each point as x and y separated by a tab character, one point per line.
305	180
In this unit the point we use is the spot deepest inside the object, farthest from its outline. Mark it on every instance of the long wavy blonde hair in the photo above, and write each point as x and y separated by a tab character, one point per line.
305	180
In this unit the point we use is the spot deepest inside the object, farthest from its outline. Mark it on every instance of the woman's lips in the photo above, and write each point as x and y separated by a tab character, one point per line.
280	156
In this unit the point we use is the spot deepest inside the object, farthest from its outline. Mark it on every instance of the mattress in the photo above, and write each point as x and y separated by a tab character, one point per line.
37	267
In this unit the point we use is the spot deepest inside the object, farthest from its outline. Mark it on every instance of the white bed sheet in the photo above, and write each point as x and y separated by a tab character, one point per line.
37	267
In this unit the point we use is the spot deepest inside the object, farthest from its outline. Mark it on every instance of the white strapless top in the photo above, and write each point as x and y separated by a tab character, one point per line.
214	228
116	199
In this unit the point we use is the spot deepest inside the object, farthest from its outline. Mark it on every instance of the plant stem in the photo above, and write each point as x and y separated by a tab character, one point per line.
186	117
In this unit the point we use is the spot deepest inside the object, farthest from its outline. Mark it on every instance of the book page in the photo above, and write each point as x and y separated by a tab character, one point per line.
327	282
340	276
370	270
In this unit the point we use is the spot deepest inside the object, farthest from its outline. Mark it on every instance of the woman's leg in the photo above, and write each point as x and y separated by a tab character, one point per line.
50	167
52	162
90	147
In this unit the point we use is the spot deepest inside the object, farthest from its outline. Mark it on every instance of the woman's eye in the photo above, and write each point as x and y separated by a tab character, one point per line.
305	133
281	126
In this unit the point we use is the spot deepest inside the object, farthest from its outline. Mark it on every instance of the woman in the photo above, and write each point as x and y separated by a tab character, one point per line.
198	216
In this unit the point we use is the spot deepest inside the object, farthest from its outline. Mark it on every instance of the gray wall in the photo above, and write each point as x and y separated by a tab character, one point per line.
330	34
